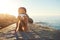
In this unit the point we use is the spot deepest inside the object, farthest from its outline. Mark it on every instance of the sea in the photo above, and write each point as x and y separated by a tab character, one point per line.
51	21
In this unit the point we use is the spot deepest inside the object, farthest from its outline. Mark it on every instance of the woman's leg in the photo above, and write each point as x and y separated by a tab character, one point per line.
25	28
20	27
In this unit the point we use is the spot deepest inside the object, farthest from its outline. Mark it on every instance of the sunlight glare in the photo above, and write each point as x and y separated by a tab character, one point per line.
8	6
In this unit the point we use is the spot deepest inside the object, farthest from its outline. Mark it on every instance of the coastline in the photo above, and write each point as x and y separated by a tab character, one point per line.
44	32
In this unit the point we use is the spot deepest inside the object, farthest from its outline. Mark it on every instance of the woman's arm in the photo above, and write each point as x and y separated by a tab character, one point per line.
17	23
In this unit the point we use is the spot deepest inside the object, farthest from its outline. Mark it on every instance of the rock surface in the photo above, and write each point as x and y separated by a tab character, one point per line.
37	32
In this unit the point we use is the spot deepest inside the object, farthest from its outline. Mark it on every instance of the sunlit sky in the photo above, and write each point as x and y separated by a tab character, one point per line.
34	7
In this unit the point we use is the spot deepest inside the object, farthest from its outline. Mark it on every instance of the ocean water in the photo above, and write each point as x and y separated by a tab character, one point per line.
52	21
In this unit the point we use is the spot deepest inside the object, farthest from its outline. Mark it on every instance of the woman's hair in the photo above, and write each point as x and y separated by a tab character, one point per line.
22	8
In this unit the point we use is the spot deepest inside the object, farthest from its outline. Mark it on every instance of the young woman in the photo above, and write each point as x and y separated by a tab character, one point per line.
22	20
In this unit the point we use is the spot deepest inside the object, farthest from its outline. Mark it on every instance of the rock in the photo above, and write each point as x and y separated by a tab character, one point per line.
57	35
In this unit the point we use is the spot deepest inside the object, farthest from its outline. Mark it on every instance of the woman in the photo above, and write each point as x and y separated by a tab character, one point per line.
22	20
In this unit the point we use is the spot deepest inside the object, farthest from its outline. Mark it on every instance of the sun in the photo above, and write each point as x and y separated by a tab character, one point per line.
9	6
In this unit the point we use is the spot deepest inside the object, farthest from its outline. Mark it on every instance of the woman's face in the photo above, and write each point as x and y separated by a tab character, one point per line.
21	11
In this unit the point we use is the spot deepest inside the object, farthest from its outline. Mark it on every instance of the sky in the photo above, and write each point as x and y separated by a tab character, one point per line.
34	7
